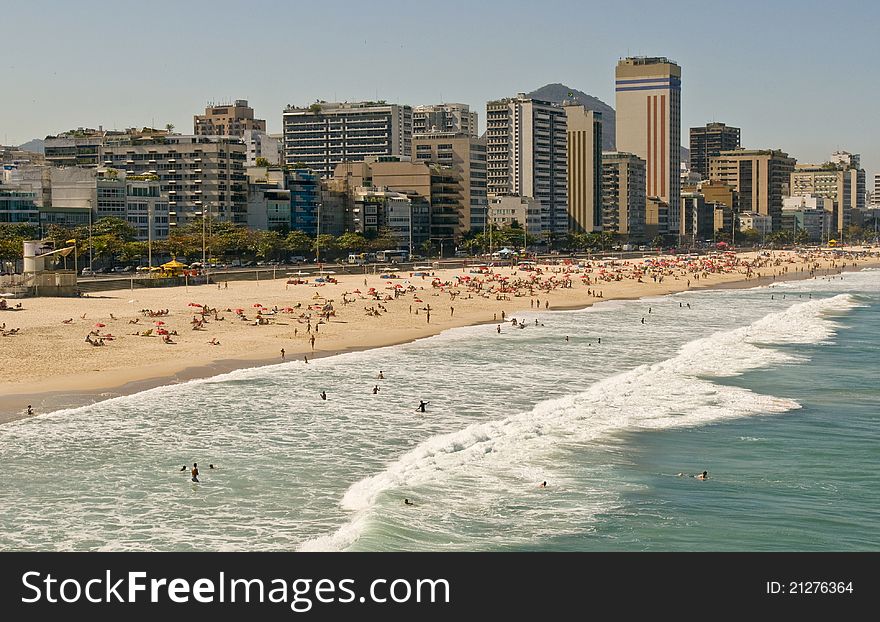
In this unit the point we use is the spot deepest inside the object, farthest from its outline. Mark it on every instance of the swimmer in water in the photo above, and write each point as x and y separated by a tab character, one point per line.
183	468
703	475
211	466
422	405
195	472
381	376
323	395
542	485
408	502
375	389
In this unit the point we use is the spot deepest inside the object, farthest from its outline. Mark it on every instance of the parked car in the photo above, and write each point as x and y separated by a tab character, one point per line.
87	272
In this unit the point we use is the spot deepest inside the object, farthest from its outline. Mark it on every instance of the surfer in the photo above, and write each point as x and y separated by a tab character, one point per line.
195	472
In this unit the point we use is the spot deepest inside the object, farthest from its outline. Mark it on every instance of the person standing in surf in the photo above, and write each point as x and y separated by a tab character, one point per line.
195	472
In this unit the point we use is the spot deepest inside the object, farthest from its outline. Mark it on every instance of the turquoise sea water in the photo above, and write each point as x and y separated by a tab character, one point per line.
772	390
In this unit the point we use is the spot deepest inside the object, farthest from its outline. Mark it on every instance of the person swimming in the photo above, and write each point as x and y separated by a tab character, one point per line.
323	395
183	468
375	389
542	485
422	405
381	376
211	466
408	502
30	410
195	472
703	475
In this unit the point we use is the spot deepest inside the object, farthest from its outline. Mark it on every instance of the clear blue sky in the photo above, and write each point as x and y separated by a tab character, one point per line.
796	75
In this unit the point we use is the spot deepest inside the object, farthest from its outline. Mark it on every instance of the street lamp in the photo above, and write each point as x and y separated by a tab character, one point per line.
91	267
318	237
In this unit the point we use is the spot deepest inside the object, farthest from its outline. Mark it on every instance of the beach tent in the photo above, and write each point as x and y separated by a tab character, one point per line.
173	267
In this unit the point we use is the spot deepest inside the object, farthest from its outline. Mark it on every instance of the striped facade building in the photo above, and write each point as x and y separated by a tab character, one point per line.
648	104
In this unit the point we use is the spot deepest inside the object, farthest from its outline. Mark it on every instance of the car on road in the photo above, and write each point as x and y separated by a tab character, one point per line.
87	272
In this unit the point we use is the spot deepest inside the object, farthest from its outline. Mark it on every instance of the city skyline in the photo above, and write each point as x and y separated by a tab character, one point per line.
84	56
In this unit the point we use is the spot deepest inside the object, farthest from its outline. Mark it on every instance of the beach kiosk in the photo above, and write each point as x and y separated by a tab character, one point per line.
173	268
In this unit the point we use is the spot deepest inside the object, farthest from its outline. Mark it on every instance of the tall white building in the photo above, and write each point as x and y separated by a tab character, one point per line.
453	118
324	134
649	124
262	145
526	153
875	196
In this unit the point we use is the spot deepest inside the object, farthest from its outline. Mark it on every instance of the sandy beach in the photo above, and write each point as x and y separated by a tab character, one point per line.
50	364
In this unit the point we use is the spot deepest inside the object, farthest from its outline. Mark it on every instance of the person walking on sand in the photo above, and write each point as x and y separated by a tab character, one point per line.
282	354
195	472
312	339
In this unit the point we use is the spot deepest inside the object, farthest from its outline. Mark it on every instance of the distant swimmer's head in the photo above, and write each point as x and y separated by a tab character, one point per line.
210	466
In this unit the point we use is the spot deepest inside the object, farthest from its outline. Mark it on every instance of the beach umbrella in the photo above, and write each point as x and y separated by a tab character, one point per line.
99	325
239	311
194	304
159	323
257	304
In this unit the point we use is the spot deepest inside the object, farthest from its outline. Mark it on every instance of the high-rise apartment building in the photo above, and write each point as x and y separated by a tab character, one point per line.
623	194
875	196
438	185
197	174
584	145
450	118
467	157
708	142
227	120
761	179
648	96
526	153
829	181
324	134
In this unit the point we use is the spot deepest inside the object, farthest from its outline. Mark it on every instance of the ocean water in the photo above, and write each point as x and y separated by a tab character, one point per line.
772	390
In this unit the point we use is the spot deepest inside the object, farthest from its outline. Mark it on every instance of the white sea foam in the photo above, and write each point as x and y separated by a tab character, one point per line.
676	392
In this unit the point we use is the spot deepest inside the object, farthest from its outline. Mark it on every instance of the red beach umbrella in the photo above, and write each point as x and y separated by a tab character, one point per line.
99	325
159	323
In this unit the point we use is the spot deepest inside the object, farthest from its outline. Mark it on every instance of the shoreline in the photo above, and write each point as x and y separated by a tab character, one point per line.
74	391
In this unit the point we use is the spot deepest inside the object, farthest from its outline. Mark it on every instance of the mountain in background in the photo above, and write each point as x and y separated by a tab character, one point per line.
557	92
34	146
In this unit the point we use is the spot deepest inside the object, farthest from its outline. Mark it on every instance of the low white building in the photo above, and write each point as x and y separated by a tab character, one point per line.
504	210
762	223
